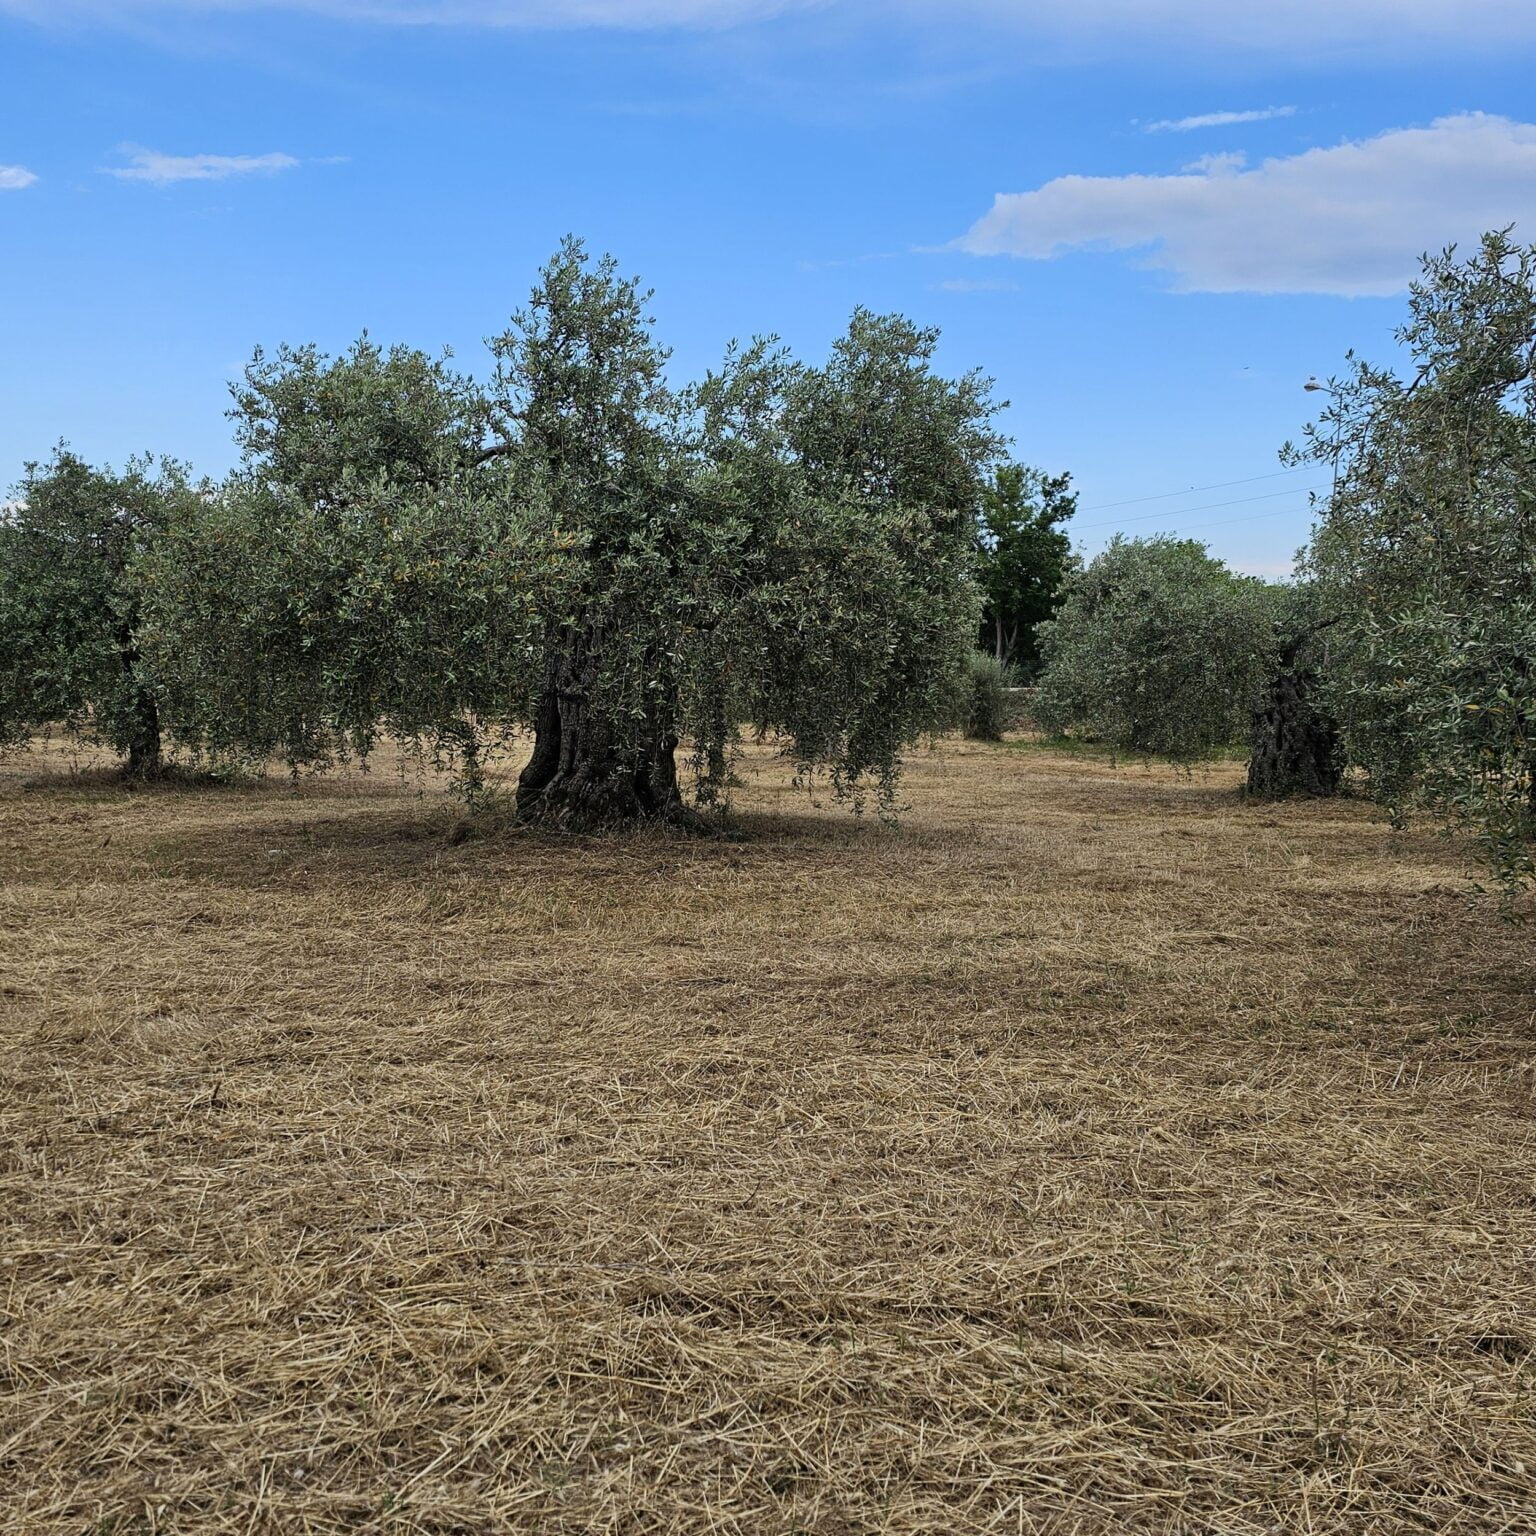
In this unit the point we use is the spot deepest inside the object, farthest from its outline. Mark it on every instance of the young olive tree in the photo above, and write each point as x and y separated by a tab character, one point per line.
71	611
1023	554
981	702
1426	548
1157	648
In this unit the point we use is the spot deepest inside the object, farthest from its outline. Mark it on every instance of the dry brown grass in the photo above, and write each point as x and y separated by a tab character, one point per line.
1092	1153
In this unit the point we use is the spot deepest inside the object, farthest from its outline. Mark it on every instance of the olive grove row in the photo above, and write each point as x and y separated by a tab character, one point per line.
575	548
633	572
1405	652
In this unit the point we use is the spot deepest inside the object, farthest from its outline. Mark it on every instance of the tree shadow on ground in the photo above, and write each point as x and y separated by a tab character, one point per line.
442	840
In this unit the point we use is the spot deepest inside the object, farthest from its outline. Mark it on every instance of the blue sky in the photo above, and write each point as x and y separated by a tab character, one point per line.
1149	220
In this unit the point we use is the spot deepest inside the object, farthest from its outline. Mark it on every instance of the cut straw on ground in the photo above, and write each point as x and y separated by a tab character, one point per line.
1093	1152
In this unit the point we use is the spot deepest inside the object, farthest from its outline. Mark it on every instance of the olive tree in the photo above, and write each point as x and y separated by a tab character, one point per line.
352	578
71	612
1426	547
1295	743
582	550
784	546
1157	648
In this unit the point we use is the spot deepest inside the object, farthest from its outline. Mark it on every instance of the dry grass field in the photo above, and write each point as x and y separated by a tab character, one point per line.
1092	1153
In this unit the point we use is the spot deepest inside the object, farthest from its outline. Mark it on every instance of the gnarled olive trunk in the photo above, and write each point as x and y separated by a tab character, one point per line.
586	772
1295	745
144	754
144	757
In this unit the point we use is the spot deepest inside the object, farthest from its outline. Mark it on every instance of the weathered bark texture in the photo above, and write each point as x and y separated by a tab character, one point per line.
584	775
144	755
1295	745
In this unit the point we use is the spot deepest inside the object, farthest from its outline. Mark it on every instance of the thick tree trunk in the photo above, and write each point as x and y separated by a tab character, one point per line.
144	756
1295	746
585	775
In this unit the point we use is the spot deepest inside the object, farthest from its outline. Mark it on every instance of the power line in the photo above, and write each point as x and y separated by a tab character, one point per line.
1210	506
1255	517
1195	490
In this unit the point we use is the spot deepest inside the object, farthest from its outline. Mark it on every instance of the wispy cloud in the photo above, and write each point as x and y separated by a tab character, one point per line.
16	178
1298	29
1221	164
1218	120
1350	220
162	170
481	13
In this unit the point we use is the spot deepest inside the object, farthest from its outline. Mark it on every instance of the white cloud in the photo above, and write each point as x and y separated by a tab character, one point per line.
1349	220
15	178
1295	29
1218	120
161	170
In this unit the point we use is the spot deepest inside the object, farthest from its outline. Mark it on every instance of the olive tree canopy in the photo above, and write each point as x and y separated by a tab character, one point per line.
353	577
1157	648
1427	549
584	550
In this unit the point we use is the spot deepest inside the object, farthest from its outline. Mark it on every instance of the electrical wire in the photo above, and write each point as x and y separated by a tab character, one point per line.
1256	517
1195	490
1210	506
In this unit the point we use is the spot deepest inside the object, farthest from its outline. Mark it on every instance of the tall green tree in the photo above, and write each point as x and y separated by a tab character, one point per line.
1158	648
1023	558
1427	549
71	610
